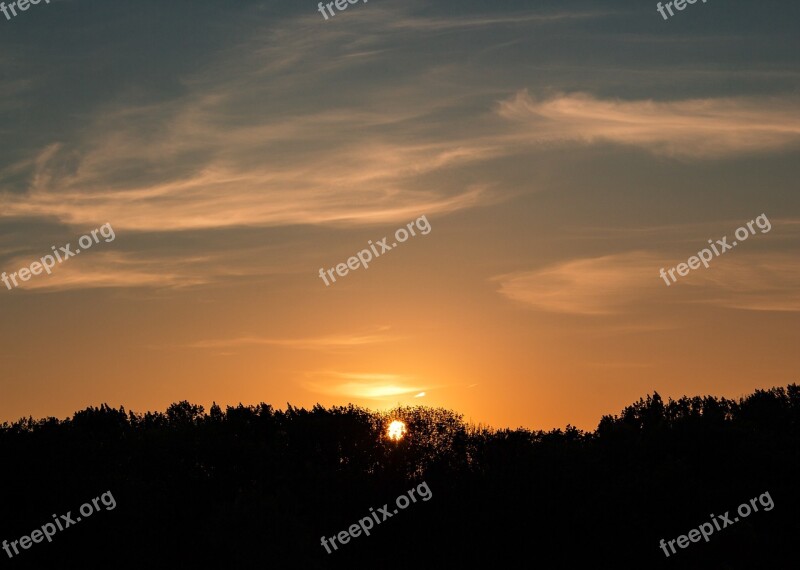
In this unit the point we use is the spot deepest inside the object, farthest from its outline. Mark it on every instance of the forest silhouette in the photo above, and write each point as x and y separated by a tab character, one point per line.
252	485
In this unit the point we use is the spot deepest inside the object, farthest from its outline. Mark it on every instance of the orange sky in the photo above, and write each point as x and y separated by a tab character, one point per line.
555	187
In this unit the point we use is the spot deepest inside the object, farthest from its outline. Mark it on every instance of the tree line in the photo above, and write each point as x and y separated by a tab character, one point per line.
258	485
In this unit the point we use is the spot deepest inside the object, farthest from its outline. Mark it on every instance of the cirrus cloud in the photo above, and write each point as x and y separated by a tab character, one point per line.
690	128
588	286
615	284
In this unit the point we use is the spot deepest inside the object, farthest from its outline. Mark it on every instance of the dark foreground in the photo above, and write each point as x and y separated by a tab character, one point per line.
250	486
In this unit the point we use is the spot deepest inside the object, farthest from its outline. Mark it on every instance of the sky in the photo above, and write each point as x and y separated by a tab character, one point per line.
558	153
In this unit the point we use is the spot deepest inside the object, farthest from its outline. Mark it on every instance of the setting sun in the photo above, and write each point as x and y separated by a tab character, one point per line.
397	430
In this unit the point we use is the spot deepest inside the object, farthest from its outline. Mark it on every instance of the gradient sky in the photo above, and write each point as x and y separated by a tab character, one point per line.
562	151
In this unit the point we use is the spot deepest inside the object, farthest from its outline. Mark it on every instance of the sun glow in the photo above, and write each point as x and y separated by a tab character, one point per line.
397	430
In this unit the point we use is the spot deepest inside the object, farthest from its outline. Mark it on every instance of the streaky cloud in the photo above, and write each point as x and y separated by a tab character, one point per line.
688	129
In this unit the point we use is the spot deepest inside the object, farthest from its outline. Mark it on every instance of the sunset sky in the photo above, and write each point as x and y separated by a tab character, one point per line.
562	152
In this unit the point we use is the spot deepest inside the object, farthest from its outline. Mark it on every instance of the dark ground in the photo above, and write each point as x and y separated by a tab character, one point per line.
251	486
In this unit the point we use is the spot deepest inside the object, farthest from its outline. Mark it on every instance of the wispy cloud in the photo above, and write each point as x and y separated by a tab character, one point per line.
755	282
104	269
168	267
253	138
332	342
367	386
692	128
590	286
614	284
361	180
473	22
231	150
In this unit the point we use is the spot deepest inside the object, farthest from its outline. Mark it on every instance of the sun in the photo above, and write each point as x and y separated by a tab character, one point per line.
397	430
